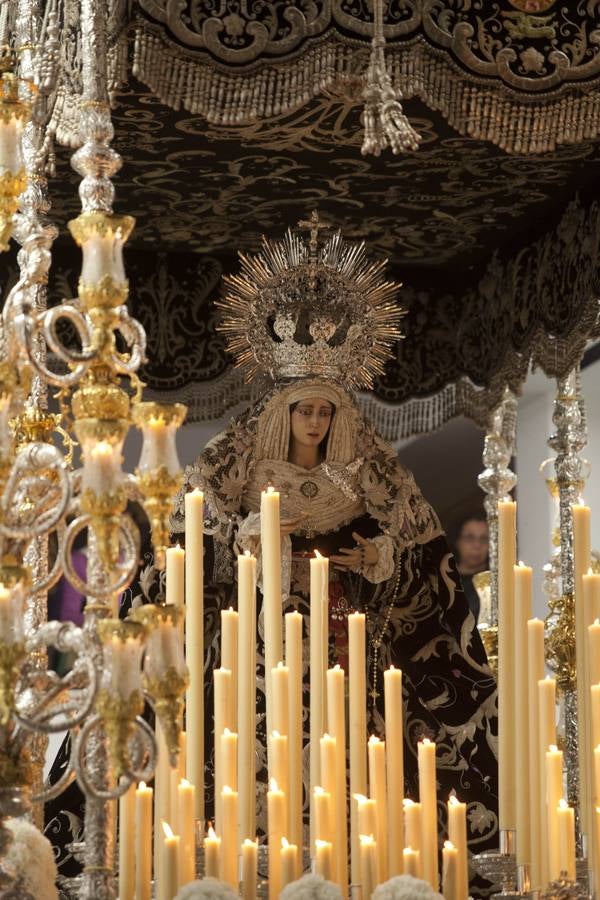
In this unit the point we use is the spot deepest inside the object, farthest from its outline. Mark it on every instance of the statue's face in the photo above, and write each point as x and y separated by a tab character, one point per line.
310	420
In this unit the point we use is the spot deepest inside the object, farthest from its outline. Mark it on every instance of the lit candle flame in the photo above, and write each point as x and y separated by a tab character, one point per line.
374	739
227	789
167	829
250	843
212	834
273	786
448	845
142	786
562	804
102	448
453	800
408	802
553	748
317	554
184	783
284	843
360	799
366	839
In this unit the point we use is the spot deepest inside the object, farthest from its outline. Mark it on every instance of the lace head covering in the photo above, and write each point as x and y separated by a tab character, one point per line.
273	425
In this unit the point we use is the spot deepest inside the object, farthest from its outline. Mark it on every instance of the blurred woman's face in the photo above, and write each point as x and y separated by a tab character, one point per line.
310	421
472	544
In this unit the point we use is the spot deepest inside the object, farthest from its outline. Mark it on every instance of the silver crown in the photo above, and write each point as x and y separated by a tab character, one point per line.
301	309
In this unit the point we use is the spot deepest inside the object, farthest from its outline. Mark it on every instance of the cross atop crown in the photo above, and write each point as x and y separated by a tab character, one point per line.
314	225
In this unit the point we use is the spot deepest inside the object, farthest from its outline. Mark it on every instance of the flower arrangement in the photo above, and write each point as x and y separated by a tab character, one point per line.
311	887
206	889
405	887
30	856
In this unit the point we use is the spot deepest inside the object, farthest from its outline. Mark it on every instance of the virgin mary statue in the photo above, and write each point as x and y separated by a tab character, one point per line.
320	320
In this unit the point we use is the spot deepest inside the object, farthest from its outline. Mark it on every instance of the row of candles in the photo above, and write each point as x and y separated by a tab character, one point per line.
531	770
387	836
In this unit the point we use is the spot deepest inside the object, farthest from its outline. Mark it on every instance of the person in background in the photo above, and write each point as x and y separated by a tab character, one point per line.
471	551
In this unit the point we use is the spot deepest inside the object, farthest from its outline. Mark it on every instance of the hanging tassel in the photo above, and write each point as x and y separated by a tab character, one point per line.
383	118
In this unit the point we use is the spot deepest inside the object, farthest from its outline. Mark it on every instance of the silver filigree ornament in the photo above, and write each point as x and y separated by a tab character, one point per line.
301	308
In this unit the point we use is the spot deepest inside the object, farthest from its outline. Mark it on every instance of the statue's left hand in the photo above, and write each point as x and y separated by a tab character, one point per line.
364	554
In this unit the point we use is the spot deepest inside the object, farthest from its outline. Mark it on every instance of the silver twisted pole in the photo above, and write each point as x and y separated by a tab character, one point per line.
498	480
96	162
36	234
567	441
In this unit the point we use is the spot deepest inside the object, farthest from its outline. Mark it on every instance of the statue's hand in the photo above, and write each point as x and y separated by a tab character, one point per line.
364	554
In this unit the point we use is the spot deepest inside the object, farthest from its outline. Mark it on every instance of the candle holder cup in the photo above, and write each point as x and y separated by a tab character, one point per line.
120	698
159	473
165	675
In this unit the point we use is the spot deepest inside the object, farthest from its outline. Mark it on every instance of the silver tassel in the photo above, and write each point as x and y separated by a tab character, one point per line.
383	118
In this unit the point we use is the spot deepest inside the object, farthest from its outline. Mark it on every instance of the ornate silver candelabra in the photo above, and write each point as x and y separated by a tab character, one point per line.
101	699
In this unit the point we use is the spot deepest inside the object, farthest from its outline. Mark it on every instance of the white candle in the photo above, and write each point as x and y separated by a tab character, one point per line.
368	865
412	862
222	720
412	827
175	575
279	764
229	742
319	631
457	835
293	660
328	768
324	860
547	734
249	869
428	799
594	646
162	794
280	692
229	656
394	738
289	862
323	815
127	861
554	791
187	859
229	854
506	665
450	876
581	563
143	842
194	644
276	818
168	885
366	814
535	673
566	833
212	854
247	696
270	537
378	790
522	612
337	727
357	722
